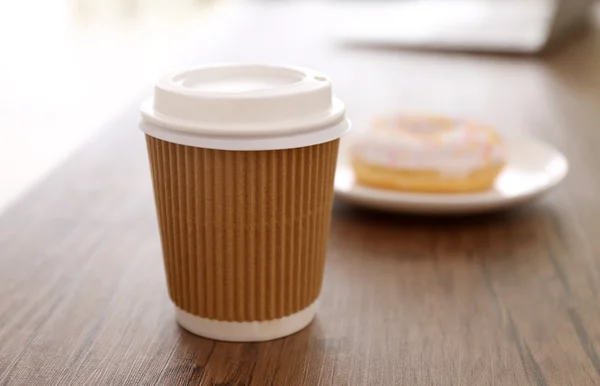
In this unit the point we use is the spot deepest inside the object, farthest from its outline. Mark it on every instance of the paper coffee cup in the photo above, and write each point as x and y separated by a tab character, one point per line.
243	160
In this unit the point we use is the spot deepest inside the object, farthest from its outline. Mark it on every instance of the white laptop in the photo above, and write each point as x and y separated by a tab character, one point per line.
525	26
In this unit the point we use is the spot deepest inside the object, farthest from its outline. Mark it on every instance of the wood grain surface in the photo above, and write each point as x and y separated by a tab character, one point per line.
504	299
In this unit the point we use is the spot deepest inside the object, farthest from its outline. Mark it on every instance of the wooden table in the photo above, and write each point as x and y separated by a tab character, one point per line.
505	299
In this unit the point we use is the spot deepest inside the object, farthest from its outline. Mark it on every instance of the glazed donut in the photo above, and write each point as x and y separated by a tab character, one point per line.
428	154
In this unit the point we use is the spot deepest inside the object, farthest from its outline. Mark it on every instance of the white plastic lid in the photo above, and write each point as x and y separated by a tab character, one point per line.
244	107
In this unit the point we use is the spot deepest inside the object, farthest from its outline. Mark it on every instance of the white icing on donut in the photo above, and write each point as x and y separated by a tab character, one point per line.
429	143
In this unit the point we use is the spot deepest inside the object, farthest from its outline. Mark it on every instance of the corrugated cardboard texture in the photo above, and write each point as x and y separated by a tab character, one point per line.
244	233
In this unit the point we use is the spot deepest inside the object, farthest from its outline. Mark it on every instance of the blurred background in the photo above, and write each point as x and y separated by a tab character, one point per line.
70	66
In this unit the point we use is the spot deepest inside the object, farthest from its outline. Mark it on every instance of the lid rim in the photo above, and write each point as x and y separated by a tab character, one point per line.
336	115
249	143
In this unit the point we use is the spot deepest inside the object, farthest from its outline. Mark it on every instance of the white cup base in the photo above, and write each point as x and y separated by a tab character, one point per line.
246	331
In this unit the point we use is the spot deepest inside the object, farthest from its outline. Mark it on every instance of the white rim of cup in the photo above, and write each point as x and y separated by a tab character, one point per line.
257	331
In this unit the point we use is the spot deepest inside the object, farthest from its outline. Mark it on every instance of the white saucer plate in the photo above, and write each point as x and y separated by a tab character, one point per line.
533	167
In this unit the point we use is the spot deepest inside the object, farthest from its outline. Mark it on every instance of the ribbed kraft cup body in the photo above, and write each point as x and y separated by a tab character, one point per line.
244	233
